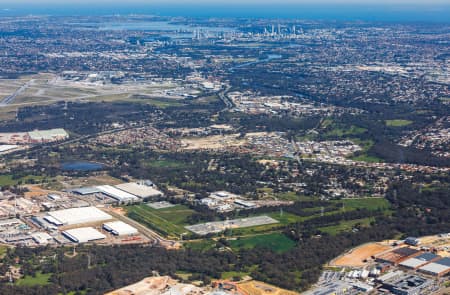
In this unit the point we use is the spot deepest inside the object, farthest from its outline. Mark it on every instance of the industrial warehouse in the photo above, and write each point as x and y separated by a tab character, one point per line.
117	194
119	228
398	255
83	234
419	261
76	216
125	193
413	266
438	268
143	190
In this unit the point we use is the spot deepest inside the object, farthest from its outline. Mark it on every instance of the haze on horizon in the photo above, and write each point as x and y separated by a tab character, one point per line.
367	10
241	2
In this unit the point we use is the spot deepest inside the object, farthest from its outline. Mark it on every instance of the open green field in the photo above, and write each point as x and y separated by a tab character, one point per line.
201	245
362	155
365	203
398	123
347	225
341	132
367	158
334	129
3	250
286	218
228	275
168	221
288	196
275	241
164	164
164	103
39	280
7	179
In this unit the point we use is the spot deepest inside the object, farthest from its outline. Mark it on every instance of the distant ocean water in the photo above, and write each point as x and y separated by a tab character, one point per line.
390	13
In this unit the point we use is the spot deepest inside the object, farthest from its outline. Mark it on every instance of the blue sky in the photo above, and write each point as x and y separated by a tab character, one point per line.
210	2
371	10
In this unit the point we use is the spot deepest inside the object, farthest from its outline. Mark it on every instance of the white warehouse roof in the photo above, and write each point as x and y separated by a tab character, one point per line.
7	147
120	228
117	194
83	234
77	216
434	268
419	260
41	238
140	190
437	267
48	134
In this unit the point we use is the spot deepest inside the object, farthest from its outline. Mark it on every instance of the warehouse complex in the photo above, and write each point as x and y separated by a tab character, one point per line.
140	189
76	216
119	228
117	194
437	268
418	261
124	193
406	284
398	255
83	234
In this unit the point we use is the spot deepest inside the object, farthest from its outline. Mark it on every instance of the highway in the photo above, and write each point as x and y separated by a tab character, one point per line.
223	96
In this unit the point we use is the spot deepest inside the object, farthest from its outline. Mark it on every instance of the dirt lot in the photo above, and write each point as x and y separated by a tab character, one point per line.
356	256
36	191
119	210
259	288
76	182
212	142
441	244
158	286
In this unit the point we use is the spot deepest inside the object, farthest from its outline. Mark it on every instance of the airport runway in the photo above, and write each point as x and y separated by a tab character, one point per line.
10	98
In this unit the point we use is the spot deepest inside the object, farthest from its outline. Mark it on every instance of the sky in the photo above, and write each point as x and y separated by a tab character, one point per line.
210	2
370	10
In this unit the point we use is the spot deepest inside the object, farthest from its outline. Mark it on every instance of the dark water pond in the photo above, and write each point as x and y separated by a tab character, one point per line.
81	166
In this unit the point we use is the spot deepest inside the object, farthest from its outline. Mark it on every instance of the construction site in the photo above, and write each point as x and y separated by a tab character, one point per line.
165	285
409	266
